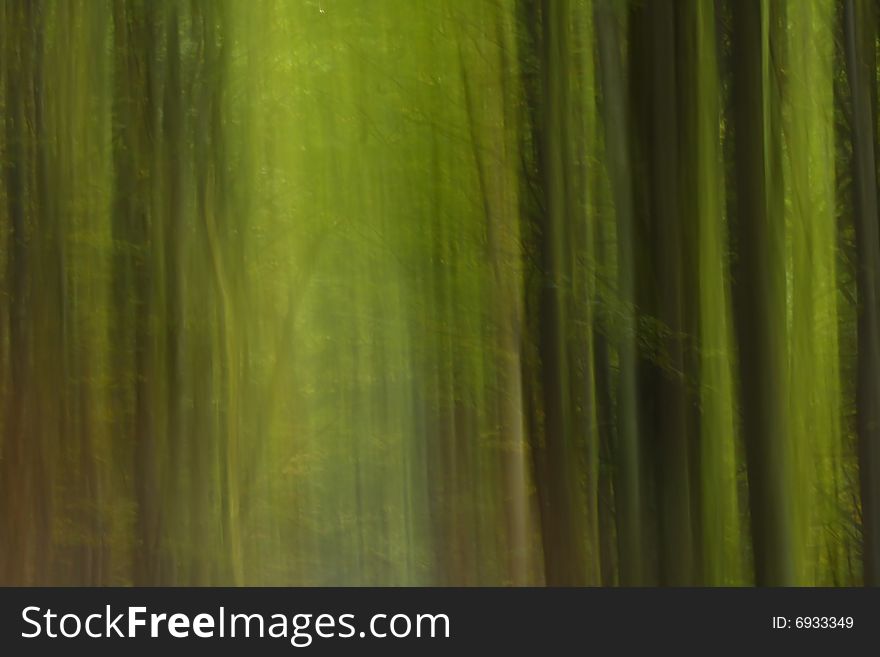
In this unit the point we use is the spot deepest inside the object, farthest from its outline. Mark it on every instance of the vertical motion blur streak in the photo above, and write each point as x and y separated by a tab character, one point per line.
439	292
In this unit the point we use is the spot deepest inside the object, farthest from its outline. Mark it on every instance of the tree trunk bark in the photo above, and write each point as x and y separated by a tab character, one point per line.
860	37
760	301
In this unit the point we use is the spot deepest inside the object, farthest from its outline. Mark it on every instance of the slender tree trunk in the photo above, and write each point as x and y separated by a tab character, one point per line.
497	181
133	275
760	300
627	480
15	476
860	35
663	285
562	505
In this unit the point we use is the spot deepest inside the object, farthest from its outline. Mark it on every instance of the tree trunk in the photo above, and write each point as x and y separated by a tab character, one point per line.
627	480
760	301
860	36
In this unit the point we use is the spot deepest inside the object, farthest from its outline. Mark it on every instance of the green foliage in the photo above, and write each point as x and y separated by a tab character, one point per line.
417	292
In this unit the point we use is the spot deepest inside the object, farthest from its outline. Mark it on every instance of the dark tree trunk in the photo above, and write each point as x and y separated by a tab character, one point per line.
759	298
860	36
561	513
626	457
671	441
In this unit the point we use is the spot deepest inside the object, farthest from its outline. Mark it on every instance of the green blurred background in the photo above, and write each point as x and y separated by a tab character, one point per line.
439	292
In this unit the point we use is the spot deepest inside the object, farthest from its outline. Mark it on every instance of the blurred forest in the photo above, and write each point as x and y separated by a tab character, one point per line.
439	292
